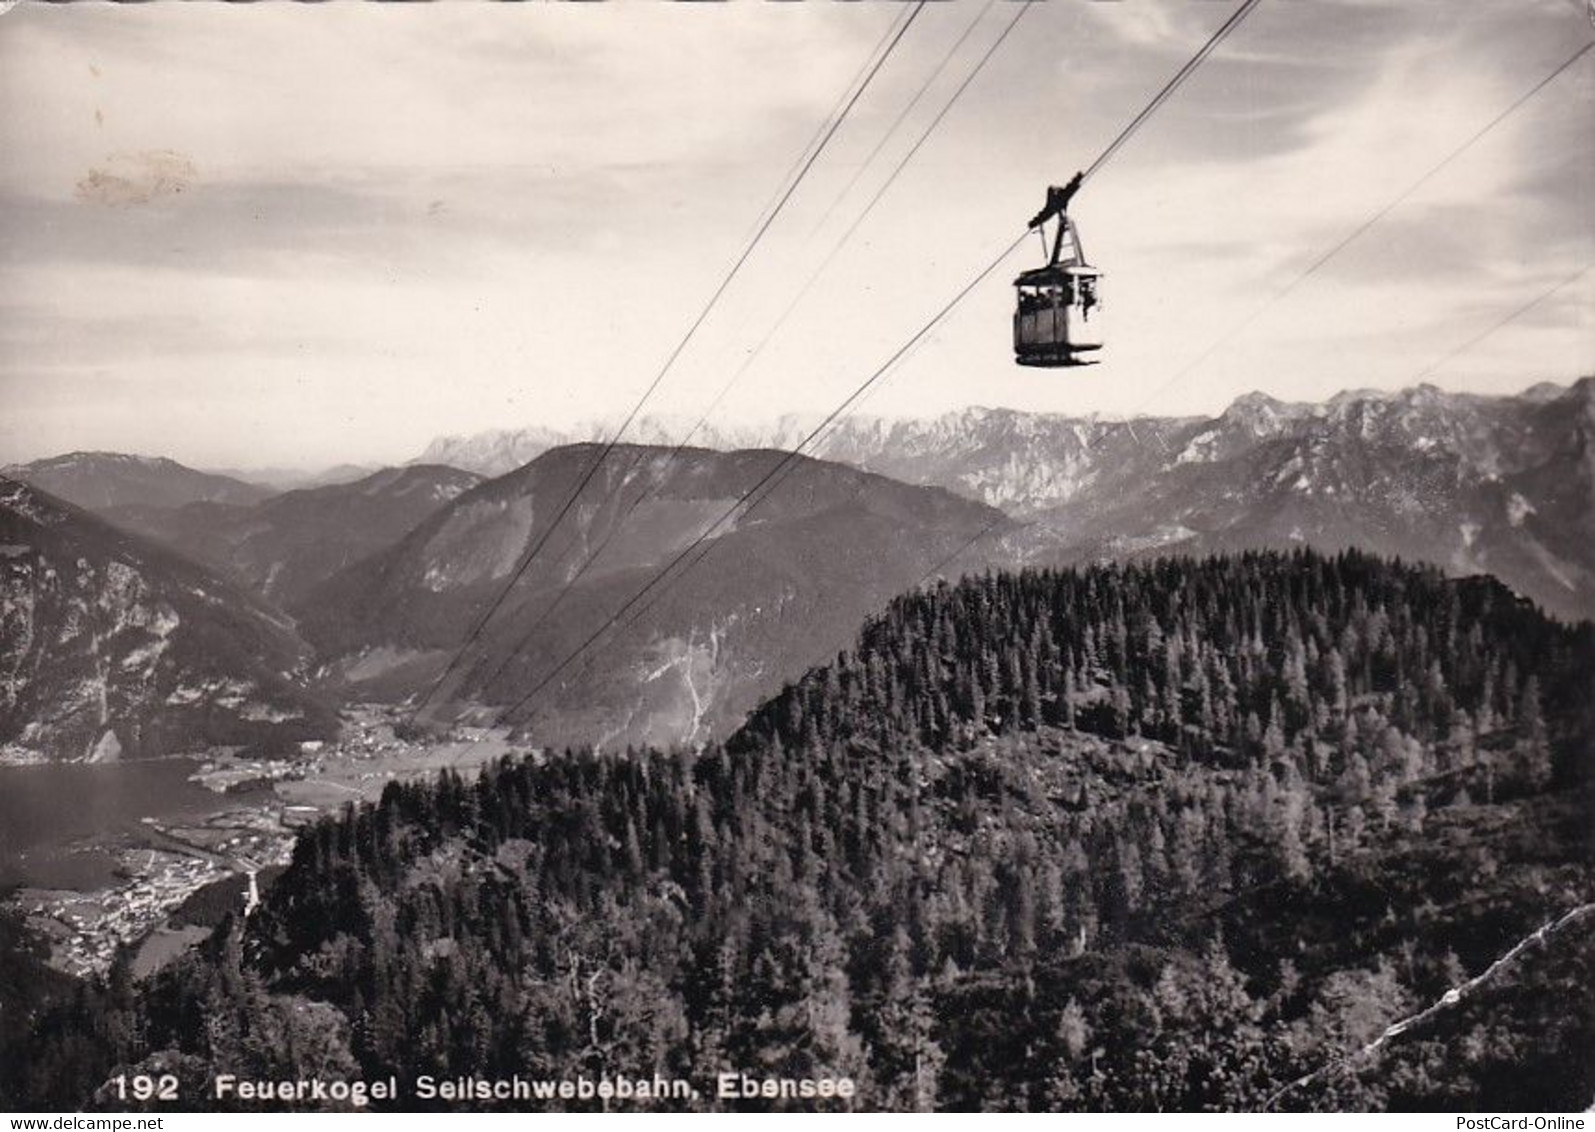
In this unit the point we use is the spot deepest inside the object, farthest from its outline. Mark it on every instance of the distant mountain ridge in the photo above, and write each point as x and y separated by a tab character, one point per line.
1503	486
1020	461
498	451
1498	484
99	480
287	544
113	647
293	479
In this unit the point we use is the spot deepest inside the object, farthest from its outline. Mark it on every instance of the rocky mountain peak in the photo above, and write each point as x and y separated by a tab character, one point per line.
1262	415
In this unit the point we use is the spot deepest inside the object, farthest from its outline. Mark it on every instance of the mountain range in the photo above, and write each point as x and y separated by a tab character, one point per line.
1502	486
385	577
101	480
111	646
784	581
1476	484
278	478
283	546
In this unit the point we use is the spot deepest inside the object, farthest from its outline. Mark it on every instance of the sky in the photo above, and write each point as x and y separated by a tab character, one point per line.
302	235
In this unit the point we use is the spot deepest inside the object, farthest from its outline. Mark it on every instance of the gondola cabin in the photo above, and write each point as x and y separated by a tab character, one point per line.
1058	315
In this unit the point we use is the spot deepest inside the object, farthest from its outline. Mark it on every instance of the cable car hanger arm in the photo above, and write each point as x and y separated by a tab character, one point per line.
1057	205
1057	200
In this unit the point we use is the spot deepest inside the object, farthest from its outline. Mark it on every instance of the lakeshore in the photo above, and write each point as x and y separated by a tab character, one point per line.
94	893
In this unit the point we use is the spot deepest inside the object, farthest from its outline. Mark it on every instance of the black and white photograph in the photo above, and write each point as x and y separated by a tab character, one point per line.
884	556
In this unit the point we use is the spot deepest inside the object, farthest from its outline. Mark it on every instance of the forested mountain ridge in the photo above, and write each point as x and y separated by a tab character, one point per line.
1228	657
1156	836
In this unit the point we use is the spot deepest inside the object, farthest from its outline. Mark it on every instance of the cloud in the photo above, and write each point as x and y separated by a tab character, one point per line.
498	214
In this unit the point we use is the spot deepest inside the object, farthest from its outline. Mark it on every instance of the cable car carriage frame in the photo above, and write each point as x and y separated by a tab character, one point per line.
1058	311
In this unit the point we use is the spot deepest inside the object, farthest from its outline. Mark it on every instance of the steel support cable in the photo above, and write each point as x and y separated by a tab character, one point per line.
788	459
1334	250
1346	241
706	546
1446	1002
969	542
819	132
1158	100
831	115
902	115
996	521
748	361
1471	342
852	228
822	442
1172	85
648	491
609	446
1135	124
816	440
1513	317
1312	268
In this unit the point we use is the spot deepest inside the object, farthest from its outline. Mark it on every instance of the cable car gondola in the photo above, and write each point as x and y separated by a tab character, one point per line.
1058	317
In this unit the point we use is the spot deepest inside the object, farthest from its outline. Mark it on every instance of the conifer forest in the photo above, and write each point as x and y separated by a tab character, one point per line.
1264	831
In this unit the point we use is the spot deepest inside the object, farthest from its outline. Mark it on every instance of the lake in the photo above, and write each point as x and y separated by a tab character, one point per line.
45	810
